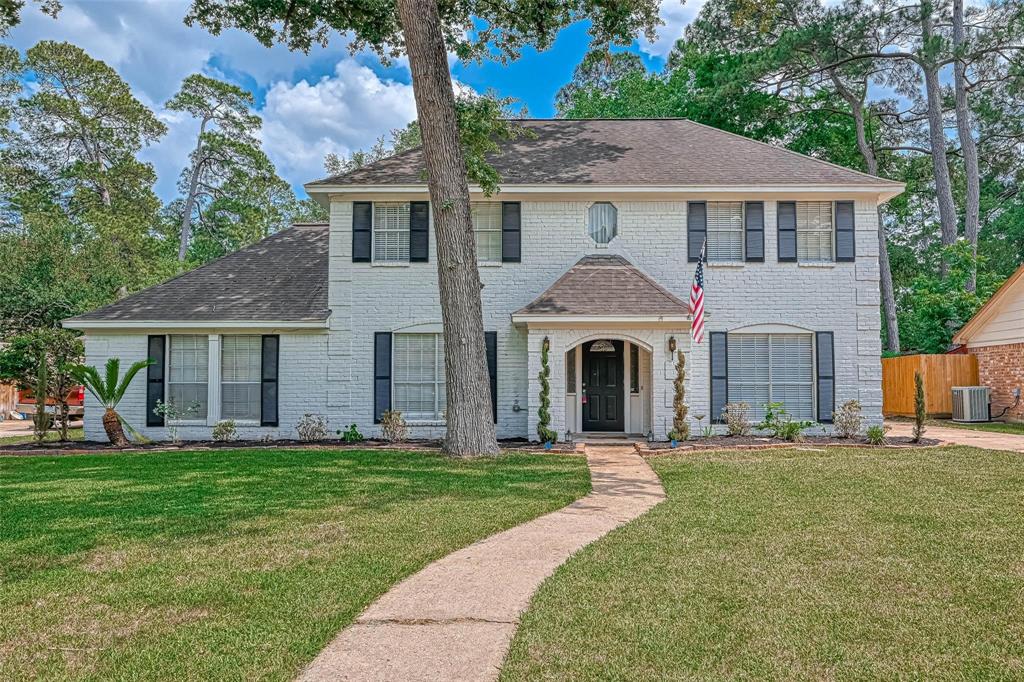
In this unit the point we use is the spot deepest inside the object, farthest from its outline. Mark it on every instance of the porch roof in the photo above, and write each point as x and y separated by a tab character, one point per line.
605	286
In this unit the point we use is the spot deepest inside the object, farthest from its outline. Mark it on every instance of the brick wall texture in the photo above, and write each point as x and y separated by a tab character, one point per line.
331	373
1002	369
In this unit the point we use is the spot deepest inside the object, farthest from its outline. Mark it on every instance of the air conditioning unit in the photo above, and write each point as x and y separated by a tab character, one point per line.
972	404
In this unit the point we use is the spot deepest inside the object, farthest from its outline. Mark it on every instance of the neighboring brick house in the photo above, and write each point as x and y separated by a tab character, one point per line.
591	244
996	336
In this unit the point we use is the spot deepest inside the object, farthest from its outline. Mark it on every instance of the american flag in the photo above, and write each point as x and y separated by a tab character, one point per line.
697	300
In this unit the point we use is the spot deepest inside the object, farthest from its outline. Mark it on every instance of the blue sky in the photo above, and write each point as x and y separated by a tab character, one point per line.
326	101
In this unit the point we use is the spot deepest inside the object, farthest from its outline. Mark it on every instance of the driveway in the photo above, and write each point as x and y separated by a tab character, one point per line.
954	436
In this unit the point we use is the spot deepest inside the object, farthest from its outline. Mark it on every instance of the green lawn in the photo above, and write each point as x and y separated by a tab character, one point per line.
232	564
797	564
73	434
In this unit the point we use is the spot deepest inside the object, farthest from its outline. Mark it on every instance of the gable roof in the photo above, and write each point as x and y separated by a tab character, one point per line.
991	307
280	278
657	152
605	286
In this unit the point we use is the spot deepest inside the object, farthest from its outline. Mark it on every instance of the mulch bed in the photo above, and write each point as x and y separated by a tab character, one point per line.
765	443
89	447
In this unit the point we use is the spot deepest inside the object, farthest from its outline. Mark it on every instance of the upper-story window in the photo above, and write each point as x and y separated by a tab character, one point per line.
487	230
602	222
814	231
725	231
390	232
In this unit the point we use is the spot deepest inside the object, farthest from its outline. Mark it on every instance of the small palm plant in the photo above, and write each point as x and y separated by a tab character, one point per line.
109	391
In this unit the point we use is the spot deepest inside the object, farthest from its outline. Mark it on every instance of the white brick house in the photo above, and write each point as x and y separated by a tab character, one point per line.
590	245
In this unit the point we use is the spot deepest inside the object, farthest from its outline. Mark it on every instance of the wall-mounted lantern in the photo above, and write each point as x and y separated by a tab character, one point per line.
547	343
671	344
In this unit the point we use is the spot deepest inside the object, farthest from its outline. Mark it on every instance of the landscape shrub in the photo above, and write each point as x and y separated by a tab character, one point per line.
848	419
311	427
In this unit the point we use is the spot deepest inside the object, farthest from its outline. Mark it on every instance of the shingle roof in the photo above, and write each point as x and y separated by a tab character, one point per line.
606	285
282	277
659	152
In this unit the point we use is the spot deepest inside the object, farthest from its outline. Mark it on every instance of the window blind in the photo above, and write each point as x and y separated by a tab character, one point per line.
487	230
814	231
766	368
390	232
241	377
188	375
724	231
418	375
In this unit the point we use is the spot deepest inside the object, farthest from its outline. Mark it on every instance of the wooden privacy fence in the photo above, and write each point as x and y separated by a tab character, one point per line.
940	373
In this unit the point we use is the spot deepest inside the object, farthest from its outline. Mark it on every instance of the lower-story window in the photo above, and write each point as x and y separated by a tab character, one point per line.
772	368
188	367
418	376
241	358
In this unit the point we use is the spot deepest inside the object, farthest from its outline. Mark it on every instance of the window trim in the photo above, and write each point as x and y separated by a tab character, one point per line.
374	260
439	409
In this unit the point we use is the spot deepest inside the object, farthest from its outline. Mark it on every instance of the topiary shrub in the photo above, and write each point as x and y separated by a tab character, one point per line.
680	427
544	430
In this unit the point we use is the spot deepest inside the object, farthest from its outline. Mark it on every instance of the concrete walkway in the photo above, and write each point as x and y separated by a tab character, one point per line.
954	436
454	620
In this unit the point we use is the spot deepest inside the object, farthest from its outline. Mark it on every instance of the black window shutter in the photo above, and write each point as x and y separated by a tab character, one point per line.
787	231
696	229
381	374
511	232
826	377
155	379
268	384
719	350
491	343
846	250
419	231
754	231
362	231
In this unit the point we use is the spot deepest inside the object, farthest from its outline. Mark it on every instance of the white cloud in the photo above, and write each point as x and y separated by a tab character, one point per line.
677	16
302	122
148	44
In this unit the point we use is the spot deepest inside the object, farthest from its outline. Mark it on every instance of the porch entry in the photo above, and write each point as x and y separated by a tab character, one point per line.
603	393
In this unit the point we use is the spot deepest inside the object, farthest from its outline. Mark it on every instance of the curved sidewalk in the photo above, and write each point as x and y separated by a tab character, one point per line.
454	620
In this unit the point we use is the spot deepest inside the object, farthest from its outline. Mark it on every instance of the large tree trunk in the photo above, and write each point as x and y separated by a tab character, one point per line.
967	145
190	198
892	328
468	416
937	139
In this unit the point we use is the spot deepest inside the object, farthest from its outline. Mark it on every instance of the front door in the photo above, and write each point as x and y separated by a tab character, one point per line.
602	386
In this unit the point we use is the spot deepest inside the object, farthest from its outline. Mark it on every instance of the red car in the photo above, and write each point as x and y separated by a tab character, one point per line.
76	402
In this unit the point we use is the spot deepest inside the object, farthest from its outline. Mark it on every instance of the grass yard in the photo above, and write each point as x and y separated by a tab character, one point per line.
51	436
797	564
232	564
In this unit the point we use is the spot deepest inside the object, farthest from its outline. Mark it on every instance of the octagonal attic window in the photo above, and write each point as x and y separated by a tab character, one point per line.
602	223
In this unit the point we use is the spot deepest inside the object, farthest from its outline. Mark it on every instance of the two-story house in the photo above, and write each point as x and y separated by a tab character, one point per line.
590	247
